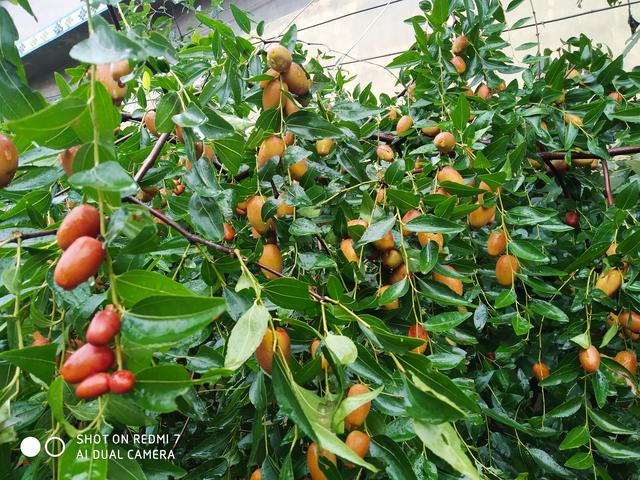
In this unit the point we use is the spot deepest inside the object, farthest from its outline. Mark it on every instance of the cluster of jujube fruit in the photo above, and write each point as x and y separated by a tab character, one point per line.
87	367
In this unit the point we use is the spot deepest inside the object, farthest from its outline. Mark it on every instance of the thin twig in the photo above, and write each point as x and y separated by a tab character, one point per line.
607	183
151	158
114	17
29	235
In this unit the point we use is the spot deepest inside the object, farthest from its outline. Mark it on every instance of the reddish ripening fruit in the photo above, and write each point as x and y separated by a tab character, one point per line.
314	349
66	158
445	142
483	91
410	215
424	238
256	475
356	417
254	214
93	386
573	119
459	44
385	152
385	243
391	259
297	79
416	331
298	169
265	351
497	243
610	282
616	96
540	370
404	124
455	284
324	146
357	221
104	326
272	146
346	246
122	381
109	74
82	221
86	361
358	442
572	219
449	174
313	464
491	356
630	320
8	160
590	359
391	305
459	64
229	232
150	122
39	339
506	268
272	258
431	131
398	274
628	360
79	262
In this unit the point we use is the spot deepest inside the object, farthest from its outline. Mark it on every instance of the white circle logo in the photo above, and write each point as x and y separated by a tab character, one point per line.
52	454
30	446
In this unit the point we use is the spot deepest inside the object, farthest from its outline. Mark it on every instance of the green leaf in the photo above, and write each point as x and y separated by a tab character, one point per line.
165	319
528	251
444	442
439	13
207	217
630	115
78	461
246	335
303	227
231	152
616	450
342	347
288	293
546	462
158	387
311	126
433	224
168	106
106	177
349	404
353	111
445	321
106	45
576	437
580	461
191	117
394	291
136	285
376	231
39	361
392	456
460	114
441	294
547	310
609	424
241	18
18	99
505	298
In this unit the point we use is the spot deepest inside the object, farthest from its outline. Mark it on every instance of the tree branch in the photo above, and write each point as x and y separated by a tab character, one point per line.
28	235
558	176
607	182
151	158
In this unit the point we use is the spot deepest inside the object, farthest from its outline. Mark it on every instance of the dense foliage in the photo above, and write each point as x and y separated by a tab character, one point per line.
264	266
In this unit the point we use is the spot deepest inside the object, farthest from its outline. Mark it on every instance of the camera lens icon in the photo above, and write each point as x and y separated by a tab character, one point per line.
30	446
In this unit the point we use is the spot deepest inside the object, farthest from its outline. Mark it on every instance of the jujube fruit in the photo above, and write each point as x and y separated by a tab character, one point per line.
346	246
82	221
417	331
483	91
313	454
314	350
392	305
399	274
79	262
273	74
384	243
459	64
39	339
385	152
356	417
296	79
572	219
573	119
449	174
445	142
324	146
254	214
357	221
150	122
590	359
506	268
454	284
8	160
256	475
273	96
86	361
272	146
358	442
481	217
229	232
284	208
425	237
459	44
406	218
630	320
279	58
93	386
430	131
616	96
391	259
109	74
610	282
496	243
122	381
104	326
66	158
540	370
272	258
628	360
404	124
265	351
298	169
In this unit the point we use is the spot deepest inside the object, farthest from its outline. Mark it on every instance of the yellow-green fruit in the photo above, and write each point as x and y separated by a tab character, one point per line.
296	80
272	146
430	131
279	58
8	160
324	146
273	96
459	44
445	142
385	152
404	124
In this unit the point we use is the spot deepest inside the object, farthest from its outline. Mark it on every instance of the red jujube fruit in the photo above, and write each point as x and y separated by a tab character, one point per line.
122	381
82	221
79	262
86	361
93	386
103	327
